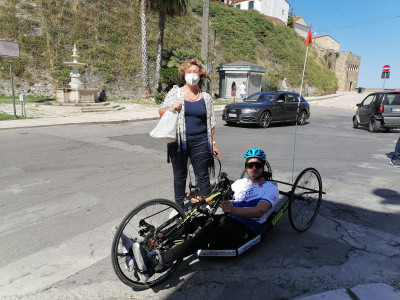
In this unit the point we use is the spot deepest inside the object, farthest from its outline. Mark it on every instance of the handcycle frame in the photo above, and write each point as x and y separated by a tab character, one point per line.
161	224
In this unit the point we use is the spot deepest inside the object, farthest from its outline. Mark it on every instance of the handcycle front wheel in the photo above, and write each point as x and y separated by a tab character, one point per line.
305	199
153	224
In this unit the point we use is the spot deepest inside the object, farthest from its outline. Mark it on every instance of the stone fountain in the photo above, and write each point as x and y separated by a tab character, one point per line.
76	92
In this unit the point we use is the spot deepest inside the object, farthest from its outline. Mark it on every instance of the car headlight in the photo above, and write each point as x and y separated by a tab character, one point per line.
250	110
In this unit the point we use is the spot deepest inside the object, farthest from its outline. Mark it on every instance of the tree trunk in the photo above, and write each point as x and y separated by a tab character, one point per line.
145	59
204	38
160	45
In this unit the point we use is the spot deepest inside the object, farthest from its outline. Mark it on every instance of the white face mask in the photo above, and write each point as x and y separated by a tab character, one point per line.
192	78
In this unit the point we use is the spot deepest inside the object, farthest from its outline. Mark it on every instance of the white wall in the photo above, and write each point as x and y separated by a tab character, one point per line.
275	8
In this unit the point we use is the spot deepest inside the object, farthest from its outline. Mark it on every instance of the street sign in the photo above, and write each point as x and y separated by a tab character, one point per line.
9	49
386	68
385	75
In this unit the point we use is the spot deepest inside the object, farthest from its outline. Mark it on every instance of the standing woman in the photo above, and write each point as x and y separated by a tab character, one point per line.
233	91
195	130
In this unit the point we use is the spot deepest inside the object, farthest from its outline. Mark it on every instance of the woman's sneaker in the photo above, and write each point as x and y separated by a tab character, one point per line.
395	163
146	261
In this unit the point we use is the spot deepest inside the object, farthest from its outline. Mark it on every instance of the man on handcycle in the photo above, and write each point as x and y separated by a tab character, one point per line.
254	200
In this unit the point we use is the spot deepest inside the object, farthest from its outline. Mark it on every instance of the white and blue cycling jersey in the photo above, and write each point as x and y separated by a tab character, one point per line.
248	194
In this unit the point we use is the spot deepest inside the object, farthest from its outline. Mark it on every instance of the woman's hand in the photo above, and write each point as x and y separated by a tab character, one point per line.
177	105
215	150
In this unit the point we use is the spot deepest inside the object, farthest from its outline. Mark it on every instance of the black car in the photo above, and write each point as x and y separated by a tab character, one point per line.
265	108
378	110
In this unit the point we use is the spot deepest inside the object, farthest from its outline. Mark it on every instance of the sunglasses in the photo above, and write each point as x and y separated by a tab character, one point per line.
250	165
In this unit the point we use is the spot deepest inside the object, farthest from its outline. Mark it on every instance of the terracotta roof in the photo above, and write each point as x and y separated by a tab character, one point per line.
238	1
320	36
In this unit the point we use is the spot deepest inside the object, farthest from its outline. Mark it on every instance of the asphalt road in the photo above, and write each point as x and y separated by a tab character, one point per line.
63	188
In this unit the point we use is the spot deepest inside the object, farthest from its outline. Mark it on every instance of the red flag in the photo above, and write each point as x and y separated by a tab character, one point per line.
309	37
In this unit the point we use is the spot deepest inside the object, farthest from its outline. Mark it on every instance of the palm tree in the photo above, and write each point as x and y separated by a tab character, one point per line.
145	57
164	8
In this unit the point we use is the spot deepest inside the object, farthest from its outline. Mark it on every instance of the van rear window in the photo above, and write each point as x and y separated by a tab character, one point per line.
391	99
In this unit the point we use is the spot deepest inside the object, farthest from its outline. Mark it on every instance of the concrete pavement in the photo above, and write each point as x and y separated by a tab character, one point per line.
46	115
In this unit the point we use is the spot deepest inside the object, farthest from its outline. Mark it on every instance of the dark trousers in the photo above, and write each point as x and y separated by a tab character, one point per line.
222	232
396	155
201	158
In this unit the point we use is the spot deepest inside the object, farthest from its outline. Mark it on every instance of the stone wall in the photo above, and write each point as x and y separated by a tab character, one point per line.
346	70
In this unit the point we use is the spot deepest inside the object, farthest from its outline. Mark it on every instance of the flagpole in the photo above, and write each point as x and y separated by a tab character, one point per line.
308	42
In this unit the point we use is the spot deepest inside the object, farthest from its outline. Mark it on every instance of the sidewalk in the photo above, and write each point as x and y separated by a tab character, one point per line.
372	291
48	115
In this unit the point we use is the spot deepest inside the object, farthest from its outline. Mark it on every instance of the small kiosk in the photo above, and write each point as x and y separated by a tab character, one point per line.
238	72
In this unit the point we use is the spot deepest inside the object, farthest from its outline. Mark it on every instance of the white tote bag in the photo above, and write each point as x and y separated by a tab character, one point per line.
165	131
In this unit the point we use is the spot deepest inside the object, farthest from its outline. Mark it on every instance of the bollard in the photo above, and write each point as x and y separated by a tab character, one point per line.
22	101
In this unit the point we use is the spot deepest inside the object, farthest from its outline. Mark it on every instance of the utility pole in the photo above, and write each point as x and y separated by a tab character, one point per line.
204	37
12	88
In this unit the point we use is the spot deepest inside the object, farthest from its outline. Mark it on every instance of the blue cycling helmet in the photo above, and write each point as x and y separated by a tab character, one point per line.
255	153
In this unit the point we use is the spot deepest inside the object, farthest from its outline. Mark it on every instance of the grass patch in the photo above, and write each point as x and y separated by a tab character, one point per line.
28	99
4	116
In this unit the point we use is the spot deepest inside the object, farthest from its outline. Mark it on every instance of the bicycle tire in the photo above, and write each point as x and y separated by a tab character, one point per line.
267	168
305	199
138	225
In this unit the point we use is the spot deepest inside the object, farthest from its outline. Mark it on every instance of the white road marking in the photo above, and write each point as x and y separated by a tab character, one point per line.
18	188
40	270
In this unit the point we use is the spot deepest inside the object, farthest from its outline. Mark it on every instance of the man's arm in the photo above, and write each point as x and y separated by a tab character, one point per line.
246	212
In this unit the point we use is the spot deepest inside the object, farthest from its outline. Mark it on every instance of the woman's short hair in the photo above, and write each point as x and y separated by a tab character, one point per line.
187	64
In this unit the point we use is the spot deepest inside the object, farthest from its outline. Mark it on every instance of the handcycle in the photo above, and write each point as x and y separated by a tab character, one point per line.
161	224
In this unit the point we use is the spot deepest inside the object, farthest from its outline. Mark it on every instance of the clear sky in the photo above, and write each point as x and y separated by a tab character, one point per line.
368	28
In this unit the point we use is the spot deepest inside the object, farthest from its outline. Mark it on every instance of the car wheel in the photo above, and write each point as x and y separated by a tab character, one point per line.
230	123
265	120
302	118
355	122
374	125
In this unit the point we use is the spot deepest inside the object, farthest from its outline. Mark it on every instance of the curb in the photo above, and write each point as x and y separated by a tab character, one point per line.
371	291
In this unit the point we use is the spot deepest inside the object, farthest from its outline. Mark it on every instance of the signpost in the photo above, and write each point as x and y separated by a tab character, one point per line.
10	50
385	74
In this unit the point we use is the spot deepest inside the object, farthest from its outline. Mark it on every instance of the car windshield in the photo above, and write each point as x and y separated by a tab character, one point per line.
391	99
260	97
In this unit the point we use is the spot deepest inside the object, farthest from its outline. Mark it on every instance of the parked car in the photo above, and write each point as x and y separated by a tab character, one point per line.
378	110
265	108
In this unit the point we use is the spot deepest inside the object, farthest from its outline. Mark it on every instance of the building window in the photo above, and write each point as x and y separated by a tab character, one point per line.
238	6
251	5
283	12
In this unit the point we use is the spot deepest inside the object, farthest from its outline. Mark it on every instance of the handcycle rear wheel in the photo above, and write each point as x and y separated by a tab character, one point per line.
151	224
305	199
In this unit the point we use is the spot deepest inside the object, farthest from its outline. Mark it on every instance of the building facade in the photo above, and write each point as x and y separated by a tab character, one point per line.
326	42
239	72
300	26
273	8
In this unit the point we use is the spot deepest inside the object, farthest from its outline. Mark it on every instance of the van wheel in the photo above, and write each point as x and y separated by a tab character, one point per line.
374	125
